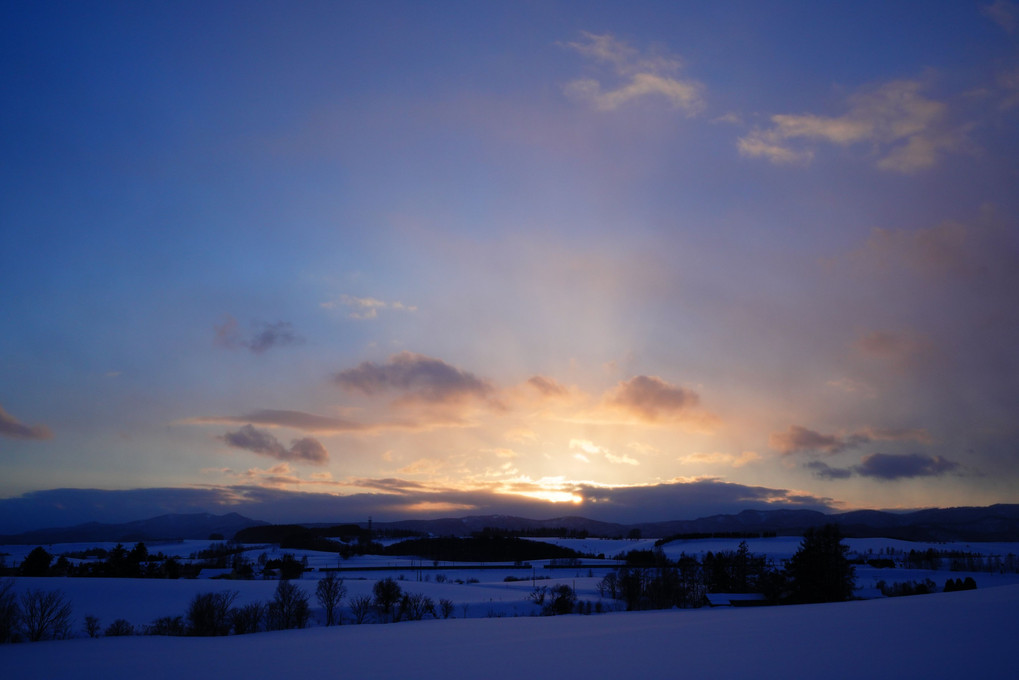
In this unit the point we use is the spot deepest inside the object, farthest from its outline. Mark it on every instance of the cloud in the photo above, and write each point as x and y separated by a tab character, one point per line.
798	439
950	249
547	387
262	337
263	443
901	348
825	471
363	308
652	399
890	467
297	420
419	377
907	131
590	448
887	466
1003	13
15	429
639	75
719	458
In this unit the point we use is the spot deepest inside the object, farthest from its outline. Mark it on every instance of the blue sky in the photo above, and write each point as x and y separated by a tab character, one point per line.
626	260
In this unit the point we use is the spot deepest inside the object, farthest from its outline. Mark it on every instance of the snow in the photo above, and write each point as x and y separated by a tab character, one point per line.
495	633
963	634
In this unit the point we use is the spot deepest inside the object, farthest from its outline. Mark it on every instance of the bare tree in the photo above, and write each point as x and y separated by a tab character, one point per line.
10	612
360	607
248	619
92	627
446	607
209	613
414	606
330	591
288	608
45	615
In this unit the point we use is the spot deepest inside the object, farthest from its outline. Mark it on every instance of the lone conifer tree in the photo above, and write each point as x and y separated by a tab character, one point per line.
820	571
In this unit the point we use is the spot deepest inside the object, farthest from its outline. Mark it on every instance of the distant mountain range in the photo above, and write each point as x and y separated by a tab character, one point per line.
165	527
993	523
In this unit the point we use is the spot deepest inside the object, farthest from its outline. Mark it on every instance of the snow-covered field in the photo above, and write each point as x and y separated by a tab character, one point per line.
950	635
495	635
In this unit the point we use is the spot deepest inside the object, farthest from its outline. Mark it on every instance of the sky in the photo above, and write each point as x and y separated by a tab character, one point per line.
632	261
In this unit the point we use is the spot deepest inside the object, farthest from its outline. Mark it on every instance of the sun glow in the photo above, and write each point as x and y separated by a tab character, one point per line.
552	496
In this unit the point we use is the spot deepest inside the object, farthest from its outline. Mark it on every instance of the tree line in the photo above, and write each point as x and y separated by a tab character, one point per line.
36	614
820	571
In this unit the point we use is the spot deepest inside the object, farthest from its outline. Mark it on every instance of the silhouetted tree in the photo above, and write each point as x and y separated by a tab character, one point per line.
209	613
820	571
288	608
414	606
360	607
387	593
559	599
248	619
36	563
92	626
10	611
446	607
330	591
45	615
119	628
167	625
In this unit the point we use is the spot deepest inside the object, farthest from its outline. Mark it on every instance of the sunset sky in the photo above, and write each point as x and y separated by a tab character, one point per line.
632	261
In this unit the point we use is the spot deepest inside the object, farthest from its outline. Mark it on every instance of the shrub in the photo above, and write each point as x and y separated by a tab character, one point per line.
167	625
119	628
248	619
446	607
414	606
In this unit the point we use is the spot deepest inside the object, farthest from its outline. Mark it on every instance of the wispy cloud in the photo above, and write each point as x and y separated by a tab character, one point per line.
363	308
822	470
719	458
905	129
637	75
250	438
1003	13
798	439
15	429
547	387
651	399
298	420
262	336
417	377
589	448
900	349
